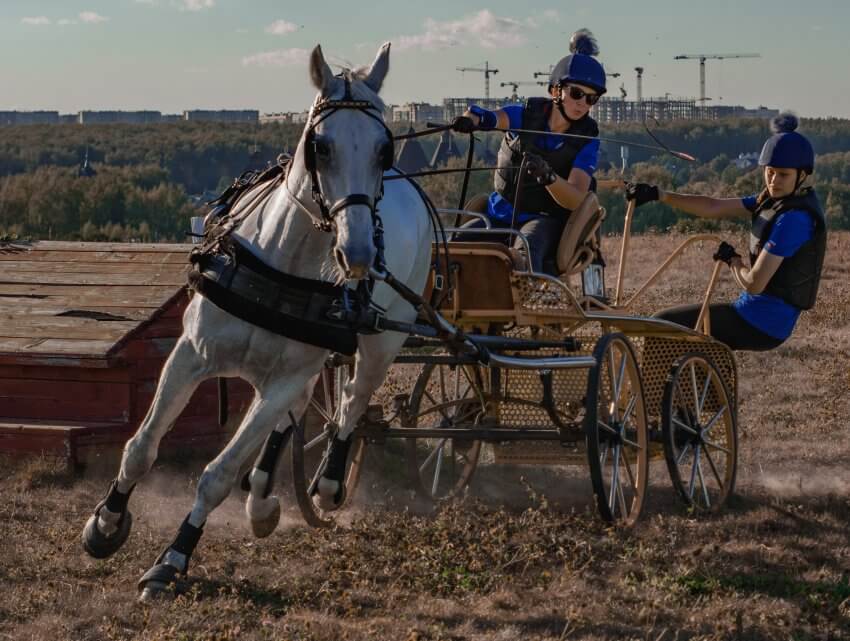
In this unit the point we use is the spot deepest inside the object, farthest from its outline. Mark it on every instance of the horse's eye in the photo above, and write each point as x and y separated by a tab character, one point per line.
323	149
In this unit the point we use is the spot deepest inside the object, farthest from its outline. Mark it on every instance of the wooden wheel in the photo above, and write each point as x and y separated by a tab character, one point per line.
310	446
616	431
699	427
444	397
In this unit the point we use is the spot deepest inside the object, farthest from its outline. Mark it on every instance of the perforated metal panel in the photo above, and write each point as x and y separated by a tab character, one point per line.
658	355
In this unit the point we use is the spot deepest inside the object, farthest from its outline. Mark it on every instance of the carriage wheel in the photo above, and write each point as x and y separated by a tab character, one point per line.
700	432
443	397
616	431
310	446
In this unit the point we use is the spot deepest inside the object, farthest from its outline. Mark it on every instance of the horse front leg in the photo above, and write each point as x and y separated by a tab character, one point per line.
375	354
108	528
269	407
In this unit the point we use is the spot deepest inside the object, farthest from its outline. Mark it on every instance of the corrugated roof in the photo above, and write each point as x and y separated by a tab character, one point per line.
66	300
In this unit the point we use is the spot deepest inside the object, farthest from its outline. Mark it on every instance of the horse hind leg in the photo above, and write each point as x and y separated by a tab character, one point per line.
217	481
262	507
108	528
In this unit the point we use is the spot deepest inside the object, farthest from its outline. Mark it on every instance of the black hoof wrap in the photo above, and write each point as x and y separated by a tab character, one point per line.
99	545
335	466
270	456
163	575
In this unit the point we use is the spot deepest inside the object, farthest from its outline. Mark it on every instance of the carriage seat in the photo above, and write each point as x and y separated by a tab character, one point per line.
579	241
581	237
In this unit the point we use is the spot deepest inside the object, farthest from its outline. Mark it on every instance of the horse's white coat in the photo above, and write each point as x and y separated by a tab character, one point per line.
281	233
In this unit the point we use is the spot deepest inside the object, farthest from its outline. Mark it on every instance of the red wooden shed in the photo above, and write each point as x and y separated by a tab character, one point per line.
85	329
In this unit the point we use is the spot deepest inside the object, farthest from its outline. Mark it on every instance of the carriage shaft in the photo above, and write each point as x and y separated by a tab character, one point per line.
492	435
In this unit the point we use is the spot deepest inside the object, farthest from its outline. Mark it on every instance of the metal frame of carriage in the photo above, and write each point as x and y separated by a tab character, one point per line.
570	380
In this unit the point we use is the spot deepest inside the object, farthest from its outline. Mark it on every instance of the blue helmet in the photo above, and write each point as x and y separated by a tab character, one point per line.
787	149
580	67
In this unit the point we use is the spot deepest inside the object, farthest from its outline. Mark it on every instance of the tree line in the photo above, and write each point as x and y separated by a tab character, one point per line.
145	173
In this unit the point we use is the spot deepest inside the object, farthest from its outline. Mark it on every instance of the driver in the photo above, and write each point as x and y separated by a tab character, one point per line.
787	245
559	169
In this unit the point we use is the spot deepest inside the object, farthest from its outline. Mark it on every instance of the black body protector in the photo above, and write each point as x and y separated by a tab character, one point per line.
797	279
535	197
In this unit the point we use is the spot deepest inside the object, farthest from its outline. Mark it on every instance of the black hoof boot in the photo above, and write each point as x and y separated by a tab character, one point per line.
97	544
161	583
329	494
100	546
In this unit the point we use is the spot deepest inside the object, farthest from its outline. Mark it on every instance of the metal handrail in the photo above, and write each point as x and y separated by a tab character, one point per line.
464	212
676	253
494	232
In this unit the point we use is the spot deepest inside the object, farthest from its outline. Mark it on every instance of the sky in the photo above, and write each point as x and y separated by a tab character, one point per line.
171	55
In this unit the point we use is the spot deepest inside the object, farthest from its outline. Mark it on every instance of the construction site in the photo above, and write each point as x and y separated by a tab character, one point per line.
609	109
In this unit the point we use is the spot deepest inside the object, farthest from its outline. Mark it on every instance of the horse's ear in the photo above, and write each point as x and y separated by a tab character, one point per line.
320	72
378	71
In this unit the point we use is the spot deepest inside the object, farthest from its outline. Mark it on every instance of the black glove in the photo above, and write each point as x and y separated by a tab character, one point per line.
641	193
726	253
463	125
539	169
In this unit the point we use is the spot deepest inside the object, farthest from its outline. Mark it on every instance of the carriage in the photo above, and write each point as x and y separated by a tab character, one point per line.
570	379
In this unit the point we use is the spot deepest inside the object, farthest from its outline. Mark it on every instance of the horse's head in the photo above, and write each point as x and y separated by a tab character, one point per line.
346	148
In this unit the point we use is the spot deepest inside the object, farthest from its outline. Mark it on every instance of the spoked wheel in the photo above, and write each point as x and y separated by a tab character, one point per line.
310	446
699	426
444	397
616	431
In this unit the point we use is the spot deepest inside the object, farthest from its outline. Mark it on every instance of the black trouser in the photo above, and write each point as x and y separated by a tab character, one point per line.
543	234
727	326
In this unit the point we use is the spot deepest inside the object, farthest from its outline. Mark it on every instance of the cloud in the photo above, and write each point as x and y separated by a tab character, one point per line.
483	29
281	28
278	58
90	17
196	5
36	20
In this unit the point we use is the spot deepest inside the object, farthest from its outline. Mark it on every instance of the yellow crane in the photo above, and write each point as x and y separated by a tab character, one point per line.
702	57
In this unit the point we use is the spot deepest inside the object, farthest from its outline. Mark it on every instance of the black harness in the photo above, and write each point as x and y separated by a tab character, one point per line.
310	311
322	110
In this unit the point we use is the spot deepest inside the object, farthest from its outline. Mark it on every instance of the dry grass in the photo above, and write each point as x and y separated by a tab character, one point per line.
501	564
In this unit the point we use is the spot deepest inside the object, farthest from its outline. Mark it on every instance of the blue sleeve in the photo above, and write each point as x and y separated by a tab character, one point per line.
749	202
514	115
791	230
588	158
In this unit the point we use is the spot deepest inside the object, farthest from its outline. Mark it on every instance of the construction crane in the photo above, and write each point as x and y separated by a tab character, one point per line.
515	84
702	57
486	70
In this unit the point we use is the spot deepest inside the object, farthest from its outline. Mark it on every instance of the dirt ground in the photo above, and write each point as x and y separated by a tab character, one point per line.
522	556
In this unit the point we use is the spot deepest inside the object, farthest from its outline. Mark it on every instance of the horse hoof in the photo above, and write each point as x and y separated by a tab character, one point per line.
160	583
265	525
329	495
101	546
156	591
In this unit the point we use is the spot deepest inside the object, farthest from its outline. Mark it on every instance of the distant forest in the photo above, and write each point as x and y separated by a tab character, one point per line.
145	173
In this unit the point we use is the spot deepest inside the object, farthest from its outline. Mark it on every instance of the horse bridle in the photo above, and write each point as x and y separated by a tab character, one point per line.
322	110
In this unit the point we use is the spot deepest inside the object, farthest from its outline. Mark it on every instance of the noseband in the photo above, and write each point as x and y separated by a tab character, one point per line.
322	110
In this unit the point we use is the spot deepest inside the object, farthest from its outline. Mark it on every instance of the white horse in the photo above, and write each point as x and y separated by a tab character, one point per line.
349	147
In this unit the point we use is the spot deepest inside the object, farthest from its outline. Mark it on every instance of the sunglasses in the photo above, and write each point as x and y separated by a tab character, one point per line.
577	94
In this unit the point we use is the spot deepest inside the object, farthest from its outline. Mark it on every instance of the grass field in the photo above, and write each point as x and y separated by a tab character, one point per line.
521	557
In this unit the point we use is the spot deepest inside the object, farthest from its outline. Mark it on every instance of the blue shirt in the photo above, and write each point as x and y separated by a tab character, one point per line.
770	314
498	208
